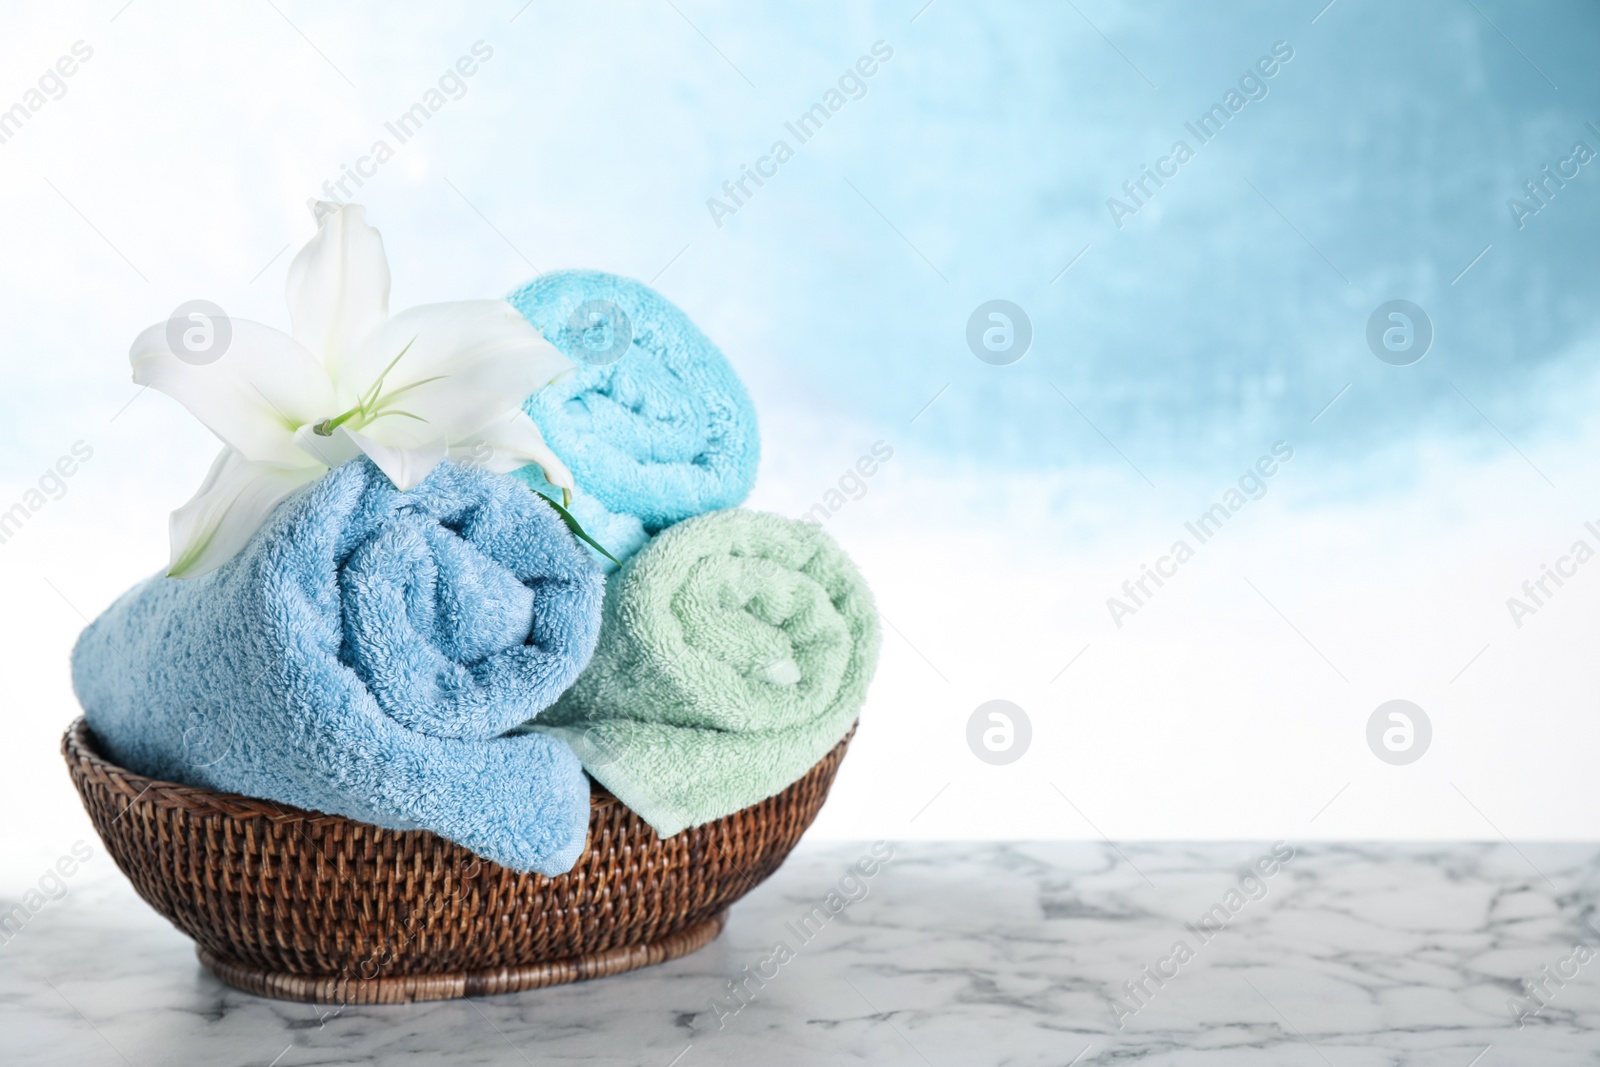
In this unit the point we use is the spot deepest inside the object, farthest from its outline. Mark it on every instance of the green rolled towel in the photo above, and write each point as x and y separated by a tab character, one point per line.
735	651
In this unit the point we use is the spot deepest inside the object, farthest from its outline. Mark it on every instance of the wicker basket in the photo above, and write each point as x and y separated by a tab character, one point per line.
302	906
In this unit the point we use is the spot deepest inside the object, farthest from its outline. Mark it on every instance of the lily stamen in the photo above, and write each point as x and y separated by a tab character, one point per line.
326	427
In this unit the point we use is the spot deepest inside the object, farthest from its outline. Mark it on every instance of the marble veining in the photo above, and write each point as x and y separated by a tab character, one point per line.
949	953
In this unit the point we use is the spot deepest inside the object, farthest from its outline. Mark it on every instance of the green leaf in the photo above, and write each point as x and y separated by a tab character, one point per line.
576	528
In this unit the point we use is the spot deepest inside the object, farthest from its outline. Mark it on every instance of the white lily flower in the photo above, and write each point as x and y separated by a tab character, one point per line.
433	381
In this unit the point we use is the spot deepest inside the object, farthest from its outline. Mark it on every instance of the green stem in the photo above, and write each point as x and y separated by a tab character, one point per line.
574	526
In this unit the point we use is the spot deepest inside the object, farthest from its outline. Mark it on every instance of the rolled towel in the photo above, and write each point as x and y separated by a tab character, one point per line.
654	423
735	651
362	656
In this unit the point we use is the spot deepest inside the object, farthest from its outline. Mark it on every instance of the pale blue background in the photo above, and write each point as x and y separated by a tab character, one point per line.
178	165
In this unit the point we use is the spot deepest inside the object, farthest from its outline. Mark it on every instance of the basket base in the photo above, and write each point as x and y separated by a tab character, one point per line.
404	989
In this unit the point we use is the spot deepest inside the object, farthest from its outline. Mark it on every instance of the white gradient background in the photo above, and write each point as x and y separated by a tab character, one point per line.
194	137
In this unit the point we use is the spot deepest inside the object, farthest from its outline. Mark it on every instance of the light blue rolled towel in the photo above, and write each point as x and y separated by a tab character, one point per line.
654	424
363	656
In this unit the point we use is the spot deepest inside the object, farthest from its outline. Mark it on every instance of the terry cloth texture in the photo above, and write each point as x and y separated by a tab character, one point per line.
654	423
736	650
363	656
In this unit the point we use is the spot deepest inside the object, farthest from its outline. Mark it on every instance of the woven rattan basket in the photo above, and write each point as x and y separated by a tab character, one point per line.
302	906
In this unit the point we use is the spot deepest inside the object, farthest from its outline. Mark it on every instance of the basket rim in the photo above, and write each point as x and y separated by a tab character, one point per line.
79	745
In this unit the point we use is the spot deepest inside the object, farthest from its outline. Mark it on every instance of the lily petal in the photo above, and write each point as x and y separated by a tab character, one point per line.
232	504
339	286
261	389
467	363
331	451
508	443
406	467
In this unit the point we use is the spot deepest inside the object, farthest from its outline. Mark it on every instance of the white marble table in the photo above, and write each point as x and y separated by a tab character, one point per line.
957	955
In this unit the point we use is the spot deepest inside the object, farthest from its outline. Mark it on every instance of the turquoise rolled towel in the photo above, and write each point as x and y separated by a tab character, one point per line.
364	656
735	650
654	423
